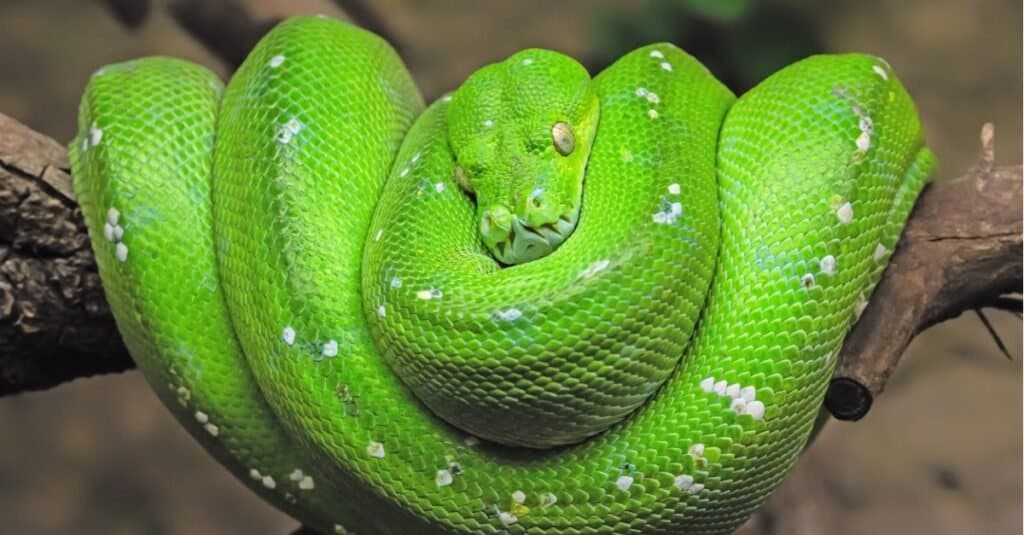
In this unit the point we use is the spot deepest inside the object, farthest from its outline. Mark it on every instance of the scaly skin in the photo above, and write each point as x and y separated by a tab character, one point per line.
299	274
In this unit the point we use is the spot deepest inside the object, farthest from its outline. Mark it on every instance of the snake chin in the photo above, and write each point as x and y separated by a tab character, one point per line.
524	242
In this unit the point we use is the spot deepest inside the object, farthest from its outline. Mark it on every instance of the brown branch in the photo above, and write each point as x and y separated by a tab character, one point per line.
961	250
54	322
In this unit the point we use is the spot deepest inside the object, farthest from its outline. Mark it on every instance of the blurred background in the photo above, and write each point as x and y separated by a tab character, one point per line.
940	452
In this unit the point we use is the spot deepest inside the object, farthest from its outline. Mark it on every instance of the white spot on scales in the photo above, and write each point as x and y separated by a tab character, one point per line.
624	482
288	335
95	135
657	54
510	314
828	265
375	449
879	70
288	130
276	61
427	295
594	268
845	213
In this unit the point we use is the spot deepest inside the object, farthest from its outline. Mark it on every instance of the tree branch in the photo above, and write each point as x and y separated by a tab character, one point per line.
54	321
961	250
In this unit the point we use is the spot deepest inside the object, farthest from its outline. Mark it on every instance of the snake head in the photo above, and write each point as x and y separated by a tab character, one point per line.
522	131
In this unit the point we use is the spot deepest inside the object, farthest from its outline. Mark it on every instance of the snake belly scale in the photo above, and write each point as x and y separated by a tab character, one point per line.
543	304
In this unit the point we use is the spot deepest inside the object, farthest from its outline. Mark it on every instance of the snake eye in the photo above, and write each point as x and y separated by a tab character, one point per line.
561	135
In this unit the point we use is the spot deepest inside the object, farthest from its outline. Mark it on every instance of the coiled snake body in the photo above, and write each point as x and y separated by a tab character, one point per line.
545	304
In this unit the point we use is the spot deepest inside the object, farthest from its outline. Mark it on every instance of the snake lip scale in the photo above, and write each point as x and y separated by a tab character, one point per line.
329	283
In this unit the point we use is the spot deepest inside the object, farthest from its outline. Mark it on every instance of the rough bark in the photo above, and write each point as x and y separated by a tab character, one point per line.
961	250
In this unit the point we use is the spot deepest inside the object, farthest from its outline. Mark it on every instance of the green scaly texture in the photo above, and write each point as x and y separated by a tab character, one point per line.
300	278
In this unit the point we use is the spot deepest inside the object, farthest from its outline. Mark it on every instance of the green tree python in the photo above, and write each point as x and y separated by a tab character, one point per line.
545	303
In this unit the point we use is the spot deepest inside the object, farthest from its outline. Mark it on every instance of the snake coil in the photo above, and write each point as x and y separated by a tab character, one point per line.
296	265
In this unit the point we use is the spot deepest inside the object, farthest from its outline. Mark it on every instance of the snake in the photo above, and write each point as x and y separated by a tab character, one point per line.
544	303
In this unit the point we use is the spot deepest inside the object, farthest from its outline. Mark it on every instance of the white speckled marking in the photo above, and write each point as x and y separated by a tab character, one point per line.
380	232
673	189
880	252
677	209
307	483
624	482
594	268
121	251
202	417
547	499
640	92
405	171
652	113
95	135
269	482
427	295
108	232
508	518
720	387
684	481
118	232
879	70
863	142
861	304
527	61
340	530
255	474
439	187
738	405
666	65
288	335
748	393
807	281
276	61
288	130
510	314
733	390
381	311
657	54
828	265
697	487
446	98
330	349
113	215
296	475
488	123
845	213
708	384
396	282
652	97
212	429
519	497
375	449
443	478
697	450
755	409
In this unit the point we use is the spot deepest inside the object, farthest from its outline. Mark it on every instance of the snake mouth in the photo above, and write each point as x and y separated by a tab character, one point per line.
524	242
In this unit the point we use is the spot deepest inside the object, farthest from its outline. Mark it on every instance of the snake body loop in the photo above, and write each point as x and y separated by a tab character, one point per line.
303	266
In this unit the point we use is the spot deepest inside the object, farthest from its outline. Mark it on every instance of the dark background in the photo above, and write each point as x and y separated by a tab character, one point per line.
939	453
